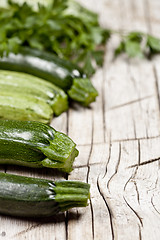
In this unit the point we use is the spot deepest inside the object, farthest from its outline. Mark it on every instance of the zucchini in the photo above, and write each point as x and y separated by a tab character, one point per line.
51	68
35	197
18	106
34	144
27	84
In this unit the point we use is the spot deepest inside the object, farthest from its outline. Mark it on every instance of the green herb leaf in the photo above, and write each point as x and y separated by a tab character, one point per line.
120	48
135	36
153	43
131	45
98	56
63	27
88	67
133	49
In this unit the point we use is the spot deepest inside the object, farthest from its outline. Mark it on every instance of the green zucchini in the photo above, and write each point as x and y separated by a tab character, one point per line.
34	144
18	106
49	67
27	84
35	197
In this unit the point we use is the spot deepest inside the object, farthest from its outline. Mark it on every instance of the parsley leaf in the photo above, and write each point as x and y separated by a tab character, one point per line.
153	43
63	27
133	49
120	49
131	45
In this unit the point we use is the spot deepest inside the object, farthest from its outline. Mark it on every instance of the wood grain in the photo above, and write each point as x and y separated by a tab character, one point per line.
118	138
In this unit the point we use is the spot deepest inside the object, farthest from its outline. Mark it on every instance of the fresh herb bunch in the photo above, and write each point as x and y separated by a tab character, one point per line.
138	44
68	30
63	27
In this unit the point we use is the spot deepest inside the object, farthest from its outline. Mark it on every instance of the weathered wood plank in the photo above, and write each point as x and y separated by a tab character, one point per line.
153	18
130	191
125	223
95	222
86	125
60	123
81	225
130	98
132	182
145	183
130	87
118	138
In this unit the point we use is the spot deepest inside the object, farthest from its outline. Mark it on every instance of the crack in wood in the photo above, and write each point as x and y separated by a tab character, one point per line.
157	178
134	174
139	153
108	208
121	140
131	102
139	160
154	205
92	214
136	187
135	139
108	160
90	164
116	169
27	230
88	144
157	88
140	232
88	172
137	215
90	152
131	178
144	163
53	219
147	135
109	136
134	127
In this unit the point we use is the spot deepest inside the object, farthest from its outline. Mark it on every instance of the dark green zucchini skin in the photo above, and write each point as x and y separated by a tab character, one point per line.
34	144
44	65
60	72
35	197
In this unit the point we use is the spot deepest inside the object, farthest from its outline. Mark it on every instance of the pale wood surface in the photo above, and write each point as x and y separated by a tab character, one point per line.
118	139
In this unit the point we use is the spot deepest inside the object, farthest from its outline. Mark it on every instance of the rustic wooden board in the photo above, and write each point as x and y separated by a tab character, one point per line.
118	138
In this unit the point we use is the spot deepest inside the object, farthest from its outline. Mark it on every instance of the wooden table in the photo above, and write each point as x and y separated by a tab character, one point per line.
118	139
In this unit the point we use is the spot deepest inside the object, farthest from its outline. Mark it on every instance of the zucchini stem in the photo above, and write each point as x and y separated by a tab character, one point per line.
82	91
70	194
60	153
